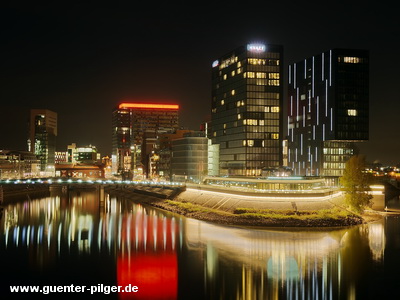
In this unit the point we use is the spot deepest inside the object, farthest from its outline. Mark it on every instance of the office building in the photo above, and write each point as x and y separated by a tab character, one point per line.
130	121
189	157
328	111
15	164
246	109
42	138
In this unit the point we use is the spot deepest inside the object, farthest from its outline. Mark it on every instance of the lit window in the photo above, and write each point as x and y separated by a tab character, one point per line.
233	92
250	143
261	122
273	75
256	61
275	136
244	142
352	112
273	82
225	126
233	73
225	76
250	75
274	108
350	60
239	116
261	75
261	82
238	103
222	102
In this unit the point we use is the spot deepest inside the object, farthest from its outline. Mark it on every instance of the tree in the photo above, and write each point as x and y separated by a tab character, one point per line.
355	183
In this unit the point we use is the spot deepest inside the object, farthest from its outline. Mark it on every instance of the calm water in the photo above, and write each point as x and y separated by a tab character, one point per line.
79	239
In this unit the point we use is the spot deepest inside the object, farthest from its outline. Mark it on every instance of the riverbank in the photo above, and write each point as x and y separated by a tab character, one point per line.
268	218
317	214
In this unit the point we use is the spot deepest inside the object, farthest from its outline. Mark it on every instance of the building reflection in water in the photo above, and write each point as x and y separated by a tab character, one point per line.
154	249
277	264
144	242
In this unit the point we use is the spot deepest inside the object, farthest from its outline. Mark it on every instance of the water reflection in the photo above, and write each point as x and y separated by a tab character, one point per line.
171	257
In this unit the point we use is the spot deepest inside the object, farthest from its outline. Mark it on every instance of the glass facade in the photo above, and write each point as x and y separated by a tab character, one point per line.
328	110
189	157
42	138
246	114
280	185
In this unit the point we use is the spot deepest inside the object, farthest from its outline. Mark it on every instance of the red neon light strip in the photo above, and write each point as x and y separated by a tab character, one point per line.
148	105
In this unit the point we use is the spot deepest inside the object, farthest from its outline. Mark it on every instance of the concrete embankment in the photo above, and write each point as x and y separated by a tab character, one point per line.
158	191
228	199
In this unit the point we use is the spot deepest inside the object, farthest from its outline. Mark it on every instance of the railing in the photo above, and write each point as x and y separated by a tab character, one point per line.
57	181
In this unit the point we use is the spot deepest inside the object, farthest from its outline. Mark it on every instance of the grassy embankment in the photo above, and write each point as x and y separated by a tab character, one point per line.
266	217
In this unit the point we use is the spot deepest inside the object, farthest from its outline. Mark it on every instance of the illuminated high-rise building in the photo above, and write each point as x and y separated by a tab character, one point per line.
131	123
246	109
328	111
42	138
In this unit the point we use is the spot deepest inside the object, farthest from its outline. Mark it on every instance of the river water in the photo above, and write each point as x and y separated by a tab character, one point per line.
66	240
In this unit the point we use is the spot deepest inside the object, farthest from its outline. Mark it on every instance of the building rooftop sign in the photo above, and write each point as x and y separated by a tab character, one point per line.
127	105
256	48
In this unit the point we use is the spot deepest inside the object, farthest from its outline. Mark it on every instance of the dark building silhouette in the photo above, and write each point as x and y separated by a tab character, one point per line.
42	138
328	111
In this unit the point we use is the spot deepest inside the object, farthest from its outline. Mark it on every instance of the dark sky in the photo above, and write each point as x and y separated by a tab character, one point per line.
81	60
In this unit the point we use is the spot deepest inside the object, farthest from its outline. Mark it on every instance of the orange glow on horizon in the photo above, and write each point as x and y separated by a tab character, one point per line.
148	105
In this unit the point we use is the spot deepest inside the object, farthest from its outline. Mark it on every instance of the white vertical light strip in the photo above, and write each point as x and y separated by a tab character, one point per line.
330	67
295	158
323	66
291	105
290	74
311	167
305	69
313	132
309	153
301	144
326	98
316	153
294	75
309	101
313	76
304	116
289	159
331	119
288	127
292	134
323	132
317	110
297	105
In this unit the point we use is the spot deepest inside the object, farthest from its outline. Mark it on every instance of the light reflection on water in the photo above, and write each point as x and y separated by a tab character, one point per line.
117	242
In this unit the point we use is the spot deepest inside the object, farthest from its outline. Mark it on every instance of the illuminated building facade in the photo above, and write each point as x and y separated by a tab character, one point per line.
328	111
42	138
246	114
130	121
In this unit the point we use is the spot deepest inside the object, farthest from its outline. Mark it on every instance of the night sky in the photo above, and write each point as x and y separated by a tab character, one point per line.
81	60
